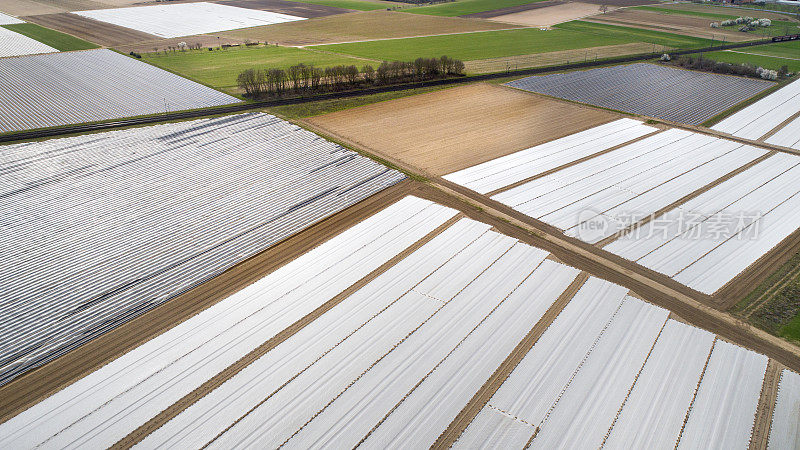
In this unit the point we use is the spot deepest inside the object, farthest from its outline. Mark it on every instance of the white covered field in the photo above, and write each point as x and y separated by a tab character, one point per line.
766	195
5	19
15	44
394	363
758	119
100	228
40	91
785	430
186	19
627	184
613	371
513	168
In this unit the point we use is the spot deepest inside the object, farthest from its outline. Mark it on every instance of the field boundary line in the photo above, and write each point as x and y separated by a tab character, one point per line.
306	46
762	422
217	380
481	398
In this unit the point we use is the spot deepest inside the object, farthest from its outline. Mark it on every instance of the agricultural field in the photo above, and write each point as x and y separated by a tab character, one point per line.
764	56
711	12
101	33
220	68
436	132
360	27
690	25
668	93
289	7
51	38
132	236
15	44
469	7
5	19
75	87
764	118
785	423
733	225
470	46
550	15
660	38
415	341
176	20
358	5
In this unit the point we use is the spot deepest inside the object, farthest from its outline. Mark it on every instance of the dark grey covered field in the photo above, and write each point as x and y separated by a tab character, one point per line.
98	229
651	90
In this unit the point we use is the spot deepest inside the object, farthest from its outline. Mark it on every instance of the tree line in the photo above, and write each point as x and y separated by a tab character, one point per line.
306	79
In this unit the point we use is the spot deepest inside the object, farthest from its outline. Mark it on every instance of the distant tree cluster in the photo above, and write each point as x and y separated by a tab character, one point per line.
304	79
746	70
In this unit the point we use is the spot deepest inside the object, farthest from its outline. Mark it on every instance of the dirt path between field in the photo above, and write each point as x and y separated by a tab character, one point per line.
482	396
766	406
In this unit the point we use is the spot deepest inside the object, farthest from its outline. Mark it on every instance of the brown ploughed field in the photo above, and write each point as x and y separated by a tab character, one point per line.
101	33
452	129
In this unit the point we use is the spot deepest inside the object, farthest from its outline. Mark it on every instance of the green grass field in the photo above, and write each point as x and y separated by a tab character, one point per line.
463	7
347	4
55	39
472	46
778	27
685	12
635	34
220	68
757	56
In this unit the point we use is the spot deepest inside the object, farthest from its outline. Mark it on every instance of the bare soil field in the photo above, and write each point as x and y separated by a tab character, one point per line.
672	23
551	15
45	380
306	10
622	3
452	129
360	26
101	33
553	58
28	7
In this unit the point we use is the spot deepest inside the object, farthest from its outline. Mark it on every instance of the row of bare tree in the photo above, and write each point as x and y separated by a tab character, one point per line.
307	79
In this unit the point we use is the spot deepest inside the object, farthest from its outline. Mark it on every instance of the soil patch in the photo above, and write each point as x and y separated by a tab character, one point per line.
101	33
551	15
449	130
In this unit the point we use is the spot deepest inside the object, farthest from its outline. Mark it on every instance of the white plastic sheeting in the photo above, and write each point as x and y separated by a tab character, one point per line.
627	184
100	228
5	19
572	383
302	374
109	403
15	44
754	211
724	409
788	136
186	19
347	414
39	91
428	410
518	166
654	411
785	430
761	117
585	411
